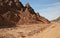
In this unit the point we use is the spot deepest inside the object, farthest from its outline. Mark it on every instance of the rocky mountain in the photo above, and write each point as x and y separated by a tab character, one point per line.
13	13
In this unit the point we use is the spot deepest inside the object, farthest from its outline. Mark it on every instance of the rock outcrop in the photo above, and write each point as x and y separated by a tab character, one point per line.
13	13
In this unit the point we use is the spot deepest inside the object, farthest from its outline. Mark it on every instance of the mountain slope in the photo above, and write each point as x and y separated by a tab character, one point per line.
13	13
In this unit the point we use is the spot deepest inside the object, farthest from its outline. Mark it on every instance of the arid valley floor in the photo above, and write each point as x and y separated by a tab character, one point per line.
51	30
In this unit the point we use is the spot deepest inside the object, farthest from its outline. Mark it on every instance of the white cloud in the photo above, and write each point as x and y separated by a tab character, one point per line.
54	4
51	12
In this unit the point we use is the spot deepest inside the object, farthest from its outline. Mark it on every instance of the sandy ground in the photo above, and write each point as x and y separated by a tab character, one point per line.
51	30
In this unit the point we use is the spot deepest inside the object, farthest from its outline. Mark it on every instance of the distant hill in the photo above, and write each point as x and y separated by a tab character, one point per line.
56	20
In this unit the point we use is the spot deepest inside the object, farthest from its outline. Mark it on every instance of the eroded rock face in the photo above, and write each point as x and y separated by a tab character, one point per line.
12	12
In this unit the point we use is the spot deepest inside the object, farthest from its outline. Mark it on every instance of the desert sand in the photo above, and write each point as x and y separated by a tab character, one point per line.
51	30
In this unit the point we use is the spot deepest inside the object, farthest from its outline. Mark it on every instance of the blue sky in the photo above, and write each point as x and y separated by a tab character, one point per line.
50	9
